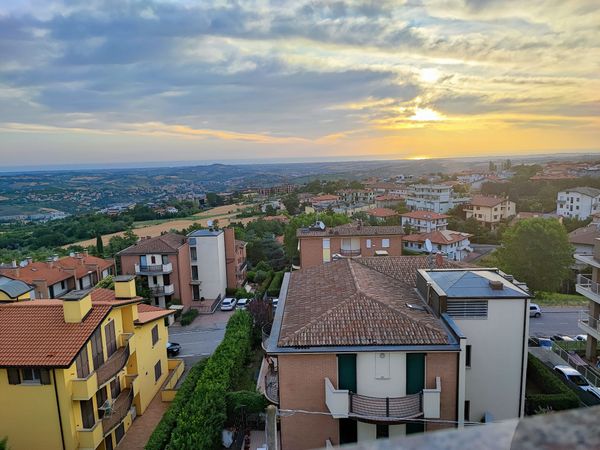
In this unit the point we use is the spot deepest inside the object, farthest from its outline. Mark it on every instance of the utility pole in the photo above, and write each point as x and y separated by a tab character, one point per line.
271	428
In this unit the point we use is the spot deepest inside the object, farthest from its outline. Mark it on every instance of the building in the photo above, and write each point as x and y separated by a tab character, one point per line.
237	265
208	264
57	276
163	264
382	214
578	202
355	341
589	285
324	200
584	238
453	244
490	210
357	195
318	246
388	201
77	371
437	198
424	221
14	290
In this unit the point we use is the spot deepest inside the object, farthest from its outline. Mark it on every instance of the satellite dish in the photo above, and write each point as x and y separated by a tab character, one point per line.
209	223
428	245
321	225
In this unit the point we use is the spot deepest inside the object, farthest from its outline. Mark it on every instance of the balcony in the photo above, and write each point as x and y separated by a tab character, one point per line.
132	383
113	365
589	260
343	403
90	437
198	282
160	291
85	388
118	411
589	325
588	288
349	253
154	269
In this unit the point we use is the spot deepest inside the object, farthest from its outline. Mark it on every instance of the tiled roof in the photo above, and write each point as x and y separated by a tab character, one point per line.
81	264
324	198
38	271
426	215
148	313
591	192
14	288
349	303
166	243
351	230
35	334
585	235
486	201
382	212
404	268
442	237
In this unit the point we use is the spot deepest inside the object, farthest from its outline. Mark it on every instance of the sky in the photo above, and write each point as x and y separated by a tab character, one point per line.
114	81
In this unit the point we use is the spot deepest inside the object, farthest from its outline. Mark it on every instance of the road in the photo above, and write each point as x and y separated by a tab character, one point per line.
555	320
200	339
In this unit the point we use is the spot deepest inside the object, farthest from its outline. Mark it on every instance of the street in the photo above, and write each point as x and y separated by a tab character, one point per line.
555	320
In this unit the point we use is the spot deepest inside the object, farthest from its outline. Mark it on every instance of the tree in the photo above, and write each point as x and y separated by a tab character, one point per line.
492	166
291	203
99	246
538	252
270	210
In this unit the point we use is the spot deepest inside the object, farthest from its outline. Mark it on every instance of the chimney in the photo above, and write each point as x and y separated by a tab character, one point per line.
29	259
496	285
77	255
77	305
14	264
125	286
439	260
50	262
86	253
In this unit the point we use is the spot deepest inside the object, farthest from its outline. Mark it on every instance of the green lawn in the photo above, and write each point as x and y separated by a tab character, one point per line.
556	299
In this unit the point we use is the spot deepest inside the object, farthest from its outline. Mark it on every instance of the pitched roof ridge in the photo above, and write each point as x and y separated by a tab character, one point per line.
357	260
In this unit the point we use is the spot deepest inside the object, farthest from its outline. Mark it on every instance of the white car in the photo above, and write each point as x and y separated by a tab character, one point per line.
581	337
228	304
242	303
568	373
274	302
535	310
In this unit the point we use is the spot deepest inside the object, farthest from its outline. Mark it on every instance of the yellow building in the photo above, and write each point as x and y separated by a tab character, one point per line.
490	210
75	372
14	290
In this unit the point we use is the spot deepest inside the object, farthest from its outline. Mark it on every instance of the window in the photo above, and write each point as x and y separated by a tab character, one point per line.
101	397
87	413
385	243
115	388
108	442
83	363
468	356
120	432
154	335
326	243
193	253
196	292
467	410
111	338
382	431
157	371
31	376
195	273
97	351
369	243
153	260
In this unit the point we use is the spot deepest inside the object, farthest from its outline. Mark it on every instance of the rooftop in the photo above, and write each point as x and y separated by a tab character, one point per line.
205	233
14	288
37	271
589	191
382	212
166	243
351	230
486	201
426	215
475	283
585	235
442	237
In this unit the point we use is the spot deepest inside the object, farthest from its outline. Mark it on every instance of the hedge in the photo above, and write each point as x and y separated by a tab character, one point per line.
252	402
188	316
201	420
162	433
275	285
556	396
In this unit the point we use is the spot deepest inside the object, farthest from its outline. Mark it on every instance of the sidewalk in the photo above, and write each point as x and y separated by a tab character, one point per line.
143	426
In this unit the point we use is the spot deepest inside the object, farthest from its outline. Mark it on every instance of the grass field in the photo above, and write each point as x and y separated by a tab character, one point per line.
556	299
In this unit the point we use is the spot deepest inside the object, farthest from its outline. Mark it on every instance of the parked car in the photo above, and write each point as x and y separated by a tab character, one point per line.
561	337
275	302
581	337
173	349
540	342
572	375
535	310
228	304
242	303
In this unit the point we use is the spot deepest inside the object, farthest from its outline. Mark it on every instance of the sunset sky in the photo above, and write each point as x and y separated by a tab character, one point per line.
107	81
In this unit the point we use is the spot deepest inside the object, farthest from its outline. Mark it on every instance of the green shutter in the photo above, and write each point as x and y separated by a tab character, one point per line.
347	372
45	376
14	377
415	383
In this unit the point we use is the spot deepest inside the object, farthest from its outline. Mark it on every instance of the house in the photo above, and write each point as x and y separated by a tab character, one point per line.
424	221
437	198
454	244
388	201
14	290
588	285
584	238
163	264
208	264
382	214
357	195
77	371
318	246
235	251
578	202
355	342
57	276
324	200
490	210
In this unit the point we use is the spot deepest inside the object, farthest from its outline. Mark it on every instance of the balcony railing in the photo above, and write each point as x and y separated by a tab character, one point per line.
167	289
388	408
145	269
349	253
113	365
586	283
589	324
118	411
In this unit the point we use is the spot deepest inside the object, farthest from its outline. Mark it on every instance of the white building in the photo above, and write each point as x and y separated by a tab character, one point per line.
438	198
208	262
578	202
453	244
424	221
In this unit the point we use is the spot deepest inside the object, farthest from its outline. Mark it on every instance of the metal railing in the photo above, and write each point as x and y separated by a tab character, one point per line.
162	290
272	386
394	408
154	268
349	252
118	411
586	283
589	321
113	365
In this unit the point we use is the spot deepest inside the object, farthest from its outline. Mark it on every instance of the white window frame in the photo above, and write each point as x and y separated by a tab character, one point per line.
385	243
369	243
326	243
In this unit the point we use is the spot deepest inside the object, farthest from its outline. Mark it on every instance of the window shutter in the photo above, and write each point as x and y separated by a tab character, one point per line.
45	376
13	376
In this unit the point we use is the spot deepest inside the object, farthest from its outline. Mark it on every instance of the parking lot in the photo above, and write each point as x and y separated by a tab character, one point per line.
555	320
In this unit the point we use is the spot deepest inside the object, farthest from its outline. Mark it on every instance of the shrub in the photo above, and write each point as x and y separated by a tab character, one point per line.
161	435
188	316
260	276
556	395
252	402
250	275
275	285
242	293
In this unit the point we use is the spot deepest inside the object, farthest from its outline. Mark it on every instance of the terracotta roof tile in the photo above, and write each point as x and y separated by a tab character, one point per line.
426	215
486	201
442	237
38	271
166	243
382	212
351	230
585	235
148	313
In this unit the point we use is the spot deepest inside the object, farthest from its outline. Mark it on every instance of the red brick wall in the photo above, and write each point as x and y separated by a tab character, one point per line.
182	275
311	252
445	366
302	386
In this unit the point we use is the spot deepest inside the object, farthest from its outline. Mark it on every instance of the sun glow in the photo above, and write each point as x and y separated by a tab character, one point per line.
426	115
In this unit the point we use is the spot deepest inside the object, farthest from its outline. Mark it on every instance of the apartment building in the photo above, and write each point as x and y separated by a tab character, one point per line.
424	221
376	358
208	264
77	371
163	264
237	265
357	195
453	244
324	200
490	210
437	198
318	246
388	201
588	285
578	202
57	276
